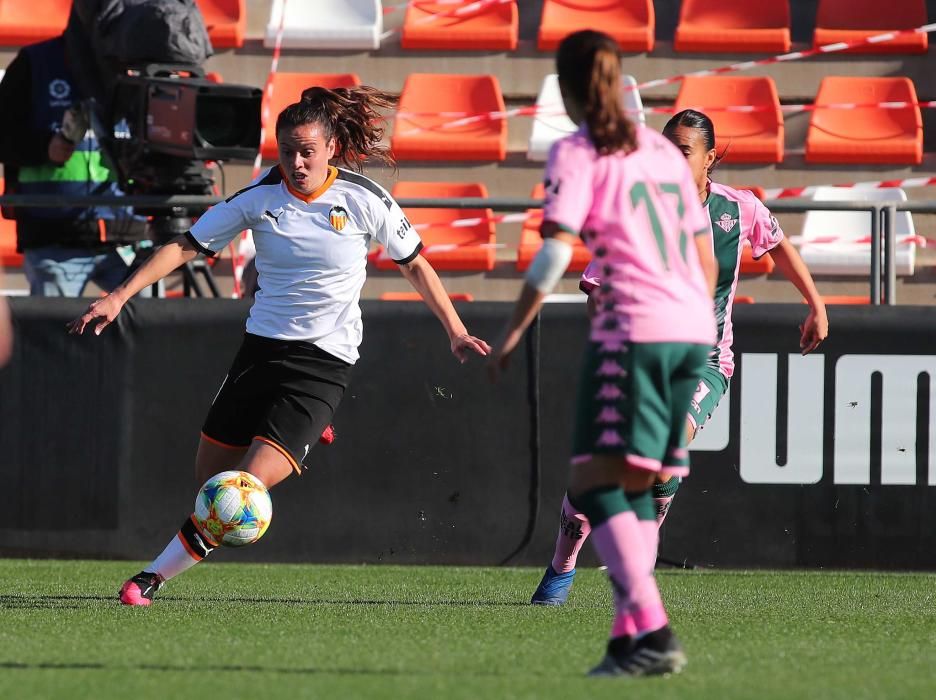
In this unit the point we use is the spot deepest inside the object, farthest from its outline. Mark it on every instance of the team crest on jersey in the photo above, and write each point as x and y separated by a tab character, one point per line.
726	222
338	217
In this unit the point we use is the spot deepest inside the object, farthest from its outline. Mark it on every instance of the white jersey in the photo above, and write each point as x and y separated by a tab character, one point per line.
311	253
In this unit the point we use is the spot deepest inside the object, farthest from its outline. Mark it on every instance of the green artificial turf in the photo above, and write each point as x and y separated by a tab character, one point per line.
290	631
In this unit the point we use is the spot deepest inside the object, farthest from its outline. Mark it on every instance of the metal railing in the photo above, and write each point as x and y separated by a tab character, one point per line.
882	273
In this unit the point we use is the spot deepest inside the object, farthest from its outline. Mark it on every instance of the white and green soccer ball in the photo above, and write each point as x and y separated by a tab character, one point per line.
233	509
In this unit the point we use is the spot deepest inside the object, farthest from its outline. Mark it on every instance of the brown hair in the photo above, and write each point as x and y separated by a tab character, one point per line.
352	116
589	66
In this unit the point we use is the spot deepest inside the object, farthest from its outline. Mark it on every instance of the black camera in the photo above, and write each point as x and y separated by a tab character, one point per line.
164	121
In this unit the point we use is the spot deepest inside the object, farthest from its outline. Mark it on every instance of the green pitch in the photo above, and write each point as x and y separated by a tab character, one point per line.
281	631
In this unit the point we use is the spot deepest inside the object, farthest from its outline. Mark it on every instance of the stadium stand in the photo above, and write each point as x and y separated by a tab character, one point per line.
490	28
327	24
531	241
287	87
733	26
8	255
421	134
448	247
847	20
630	22
850	252
743	137
551	122
226	21
28	21
865	134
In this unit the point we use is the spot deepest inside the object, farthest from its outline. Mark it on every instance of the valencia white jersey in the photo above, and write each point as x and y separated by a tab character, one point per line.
311	253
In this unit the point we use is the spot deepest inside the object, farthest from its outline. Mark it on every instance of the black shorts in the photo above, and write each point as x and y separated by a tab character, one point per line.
283	392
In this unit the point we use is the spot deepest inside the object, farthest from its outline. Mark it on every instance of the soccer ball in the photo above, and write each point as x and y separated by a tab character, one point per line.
233	509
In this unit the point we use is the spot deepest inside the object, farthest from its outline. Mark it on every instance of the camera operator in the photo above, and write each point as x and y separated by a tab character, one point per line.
47	148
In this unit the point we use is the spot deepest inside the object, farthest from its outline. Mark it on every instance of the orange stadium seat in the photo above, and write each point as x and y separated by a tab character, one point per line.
287	87
848	20
630	22
416	296
226	21
744	137
750	266
733	25
489	28
8	255
842	300
743	300
756	190
419	134
448	247
23	22
865	134
531	242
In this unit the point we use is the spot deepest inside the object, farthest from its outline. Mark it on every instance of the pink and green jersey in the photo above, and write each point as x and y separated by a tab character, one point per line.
637	213
737	217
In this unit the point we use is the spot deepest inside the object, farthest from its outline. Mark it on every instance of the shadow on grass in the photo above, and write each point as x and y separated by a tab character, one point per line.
27	601
225	668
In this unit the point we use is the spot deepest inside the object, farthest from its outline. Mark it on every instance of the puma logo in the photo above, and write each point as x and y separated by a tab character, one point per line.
273	216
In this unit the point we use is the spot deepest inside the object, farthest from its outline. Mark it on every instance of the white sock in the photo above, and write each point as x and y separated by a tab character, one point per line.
183	552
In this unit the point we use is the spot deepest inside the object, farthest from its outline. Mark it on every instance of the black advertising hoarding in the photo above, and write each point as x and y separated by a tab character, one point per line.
822	461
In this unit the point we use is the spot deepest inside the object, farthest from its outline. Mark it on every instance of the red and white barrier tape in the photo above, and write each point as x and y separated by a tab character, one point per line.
794	56
863	240
246	249
905	183
466	118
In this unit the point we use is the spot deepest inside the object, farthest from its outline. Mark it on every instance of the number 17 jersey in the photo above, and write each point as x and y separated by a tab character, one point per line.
638	213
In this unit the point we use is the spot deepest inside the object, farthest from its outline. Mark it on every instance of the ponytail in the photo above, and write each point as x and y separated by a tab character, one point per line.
590	66
352	116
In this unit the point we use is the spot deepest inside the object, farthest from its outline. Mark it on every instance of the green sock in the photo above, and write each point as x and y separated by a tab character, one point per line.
600	504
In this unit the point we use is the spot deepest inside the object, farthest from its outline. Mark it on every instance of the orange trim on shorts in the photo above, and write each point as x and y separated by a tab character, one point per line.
282	450
188	548
223	444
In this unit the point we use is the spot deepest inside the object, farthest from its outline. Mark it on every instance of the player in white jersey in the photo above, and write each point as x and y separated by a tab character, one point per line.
312	224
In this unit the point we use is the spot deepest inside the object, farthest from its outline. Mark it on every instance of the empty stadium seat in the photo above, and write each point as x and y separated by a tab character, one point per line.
287	87
8	255
326	24
848	20
226	21
739	299
26	22
751	267
448	247
531	241
841	300
756	190
733	26
419	133
630	22
416	296
865	134
838	242
744	137
551	122
433	26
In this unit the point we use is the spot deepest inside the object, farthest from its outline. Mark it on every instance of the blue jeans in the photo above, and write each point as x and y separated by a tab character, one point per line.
54	271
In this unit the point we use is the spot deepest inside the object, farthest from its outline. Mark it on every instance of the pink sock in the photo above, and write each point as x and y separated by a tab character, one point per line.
662	508
622	544
573	530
